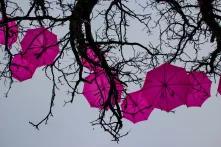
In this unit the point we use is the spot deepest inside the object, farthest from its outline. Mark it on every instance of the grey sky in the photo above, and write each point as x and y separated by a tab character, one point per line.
193	127
70	126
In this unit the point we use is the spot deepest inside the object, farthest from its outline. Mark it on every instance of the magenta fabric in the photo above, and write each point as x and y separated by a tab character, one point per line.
167	86
91	55
96	91
135	107
219	86
21	68
40	46
12	33
200	89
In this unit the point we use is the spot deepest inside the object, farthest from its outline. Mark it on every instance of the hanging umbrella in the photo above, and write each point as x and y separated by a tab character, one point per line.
219	86
167	86
91	55
97	88
21	69
40	46
12	33
135	107
200	89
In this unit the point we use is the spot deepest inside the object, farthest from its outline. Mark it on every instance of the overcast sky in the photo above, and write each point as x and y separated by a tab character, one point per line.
192	127
70	126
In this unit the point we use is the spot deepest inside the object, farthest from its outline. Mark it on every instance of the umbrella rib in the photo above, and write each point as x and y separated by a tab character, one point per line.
202	89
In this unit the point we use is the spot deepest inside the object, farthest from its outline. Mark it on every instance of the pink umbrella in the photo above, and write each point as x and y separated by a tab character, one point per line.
91	55
40	46
12	33
167	86
219	86
21	69
135	107
97	88
200	89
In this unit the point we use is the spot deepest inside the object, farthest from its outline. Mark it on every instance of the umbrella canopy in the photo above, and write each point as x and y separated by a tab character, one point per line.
40	46
135	107
91	55
200	89
219	86
21	69
97	88
167	86
12	33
